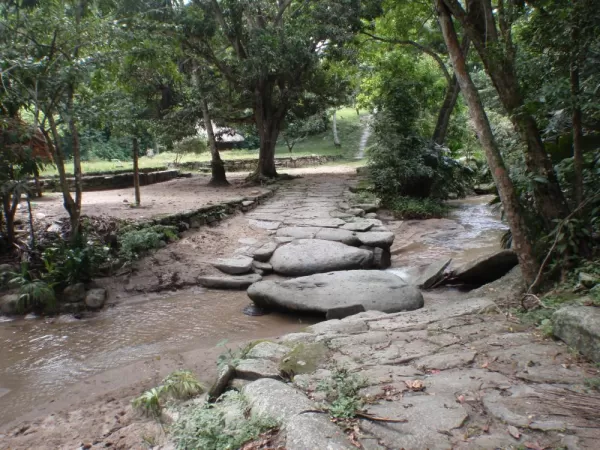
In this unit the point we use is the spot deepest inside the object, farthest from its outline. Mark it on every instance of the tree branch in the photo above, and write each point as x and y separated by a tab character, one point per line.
283	5
422	48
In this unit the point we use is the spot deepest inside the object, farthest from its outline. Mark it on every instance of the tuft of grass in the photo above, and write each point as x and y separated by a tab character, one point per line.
220	426
342	394
180	385
136	242
411	208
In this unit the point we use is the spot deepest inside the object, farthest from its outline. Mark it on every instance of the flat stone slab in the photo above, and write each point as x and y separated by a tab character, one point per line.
383	239
254	369
486	269
445	361
265	224
374	290
298	232
309	256
358	225
579	326
338	235
265	267
268	350
234	266
314	431
239	282
325	223
433	274
272	398
264	252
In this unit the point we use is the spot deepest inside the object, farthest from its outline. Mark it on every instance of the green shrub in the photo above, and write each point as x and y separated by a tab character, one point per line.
136	242
342	390
209	427
410	208
66	264
190	144
35	295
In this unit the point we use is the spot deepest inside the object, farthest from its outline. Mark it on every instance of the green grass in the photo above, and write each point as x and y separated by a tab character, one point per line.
350	131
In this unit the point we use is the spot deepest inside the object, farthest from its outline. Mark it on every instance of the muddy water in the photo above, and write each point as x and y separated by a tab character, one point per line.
39	358
472	229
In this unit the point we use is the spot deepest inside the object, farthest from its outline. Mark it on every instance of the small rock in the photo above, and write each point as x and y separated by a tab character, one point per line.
356	212
587	280
234	266
382	239
95	298
367	207
239	282
9	304
265	252
254	369
74	293
263	266
268	350
371	215
225	375
358	225
433	274
247	203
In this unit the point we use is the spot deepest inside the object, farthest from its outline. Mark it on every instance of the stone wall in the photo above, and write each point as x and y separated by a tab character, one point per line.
248	165
113	181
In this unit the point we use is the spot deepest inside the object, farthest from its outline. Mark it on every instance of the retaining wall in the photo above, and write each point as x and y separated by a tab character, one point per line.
249	165
107	182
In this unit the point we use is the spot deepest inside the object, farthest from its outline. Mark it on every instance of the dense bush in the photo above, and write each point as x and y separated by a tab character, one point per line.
411	208
135	242
190	144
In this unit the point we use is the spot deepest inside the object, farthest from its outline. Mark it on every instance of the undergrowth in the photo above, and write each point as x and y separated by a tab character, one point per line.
135	242
180	385
411	208
341	389
217	426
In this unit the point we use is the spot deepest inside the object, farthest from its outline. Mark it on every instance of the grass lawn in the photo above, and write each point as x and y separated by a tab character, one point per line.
350	130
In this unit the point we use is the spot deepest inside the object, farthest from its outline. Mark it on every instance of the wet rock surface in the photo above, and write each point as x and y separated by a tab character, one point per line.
238	282
321	293
485	269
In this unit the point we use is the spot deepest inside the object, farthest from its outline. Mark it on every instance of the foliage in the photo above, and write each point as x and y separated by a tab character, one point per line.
34	295
180	385
206	427
135	242
232	356
67	264
411	208
296	129
342	390
190	144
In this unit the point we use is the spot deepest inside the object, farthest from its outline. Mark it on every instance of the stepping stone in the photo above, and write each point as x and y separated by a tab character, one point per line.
321	293
374	222
433	274
371	215
486	269
262	266
298	232
234	266
356	212
264	253
338	235
240	282
359	225
383	239
367	207
340	214
268	350
308	256
326	223
264	224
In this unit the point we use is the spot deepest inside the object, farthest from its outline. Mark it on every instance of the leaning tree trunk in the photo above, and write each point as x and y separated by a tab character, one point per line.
336	138
451	97
136	172
218	178
577	118
521	243
479	24
76	212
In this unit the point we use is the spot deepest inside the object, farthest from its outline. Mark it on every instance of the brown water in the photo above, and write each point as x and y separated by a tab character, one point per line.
39	358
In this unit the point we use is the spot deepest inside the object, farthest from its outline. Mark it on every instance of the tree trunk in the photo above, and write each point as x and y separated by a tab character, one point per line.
521	243
268	123
75	223
59	159
336	138
30	217
450	99
218	178
480	27
9	219
577	120
136	172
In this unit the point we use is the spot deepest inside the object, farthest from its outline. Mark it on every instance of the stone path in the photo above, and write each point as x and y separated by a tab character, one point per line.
364	138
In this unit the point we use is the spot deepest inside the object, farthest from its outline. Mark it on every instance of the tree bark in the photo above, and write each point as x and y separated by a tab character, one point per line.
480	27
136	171
218	178
76	213
521	243
450	99
268	123
59	159
336	138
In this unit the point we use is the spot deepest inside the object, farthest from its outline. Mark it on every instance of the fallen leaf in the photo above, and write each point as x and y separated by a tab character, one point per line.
534	446
485	365
486	428
415	385
435	371
460	399
514	432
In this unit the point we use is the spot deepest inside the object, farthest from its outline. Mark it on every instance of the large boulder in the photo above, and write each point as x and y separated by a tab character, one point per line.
95	298
373	290
234	266
579	326
9	304
308	256
485	269
74	293
433	274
